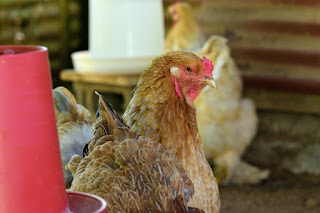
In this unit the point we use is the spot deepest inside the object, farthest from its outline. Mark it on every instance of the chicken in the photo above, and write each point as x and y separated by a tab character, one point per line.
222	113
162	109
131	172
185	33
74	124
227	122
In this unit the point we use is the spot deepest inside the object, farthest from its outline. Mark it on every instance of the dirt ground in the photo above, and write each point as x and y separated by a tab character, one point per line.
271	196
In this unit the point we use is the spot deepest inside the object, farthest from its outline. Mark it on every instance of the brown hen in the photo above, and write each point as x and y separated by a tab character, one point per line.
131	172
134	173
162	109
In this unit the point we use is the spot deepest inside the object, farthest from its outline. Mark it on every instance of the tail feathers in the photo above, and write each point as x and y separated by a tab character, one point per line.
108	123
107	112
249	174
64	101
66	107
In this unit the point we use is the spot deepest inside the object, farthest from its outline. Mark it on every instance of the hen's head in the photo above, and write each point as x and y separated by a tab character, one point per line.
179	9
184	71
191	75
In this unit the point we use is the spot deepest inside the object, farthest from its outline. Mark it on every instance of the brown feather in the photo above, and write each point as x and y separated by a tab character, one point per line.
156	111
134	174
67	109
74	124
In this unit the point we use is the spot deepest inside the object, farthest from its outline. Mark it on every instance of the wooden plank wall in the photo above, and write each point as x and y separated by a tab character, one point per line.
271	40
277	39
54	24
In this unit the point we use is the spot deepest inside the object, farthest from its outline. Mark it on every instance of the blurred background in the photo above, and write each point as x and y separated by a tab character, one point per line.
61	25
276	46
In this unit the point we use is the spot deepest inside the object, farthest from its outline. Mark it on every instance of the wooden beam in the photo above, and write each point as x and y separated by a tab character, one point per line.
284	27
284	101
287	56
306	86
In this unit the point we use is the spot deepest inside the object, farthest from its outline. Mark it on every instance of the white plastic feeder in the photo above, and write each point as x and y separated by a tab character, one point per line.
124	36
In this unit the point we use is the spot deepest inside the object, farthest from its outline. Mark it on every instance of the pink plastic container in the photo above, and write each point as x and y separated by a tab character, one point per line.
31	176
83	203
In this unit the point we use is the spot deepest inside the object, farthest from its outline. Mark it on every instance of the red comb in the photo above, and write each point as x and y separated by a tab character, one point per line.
207	66
177	2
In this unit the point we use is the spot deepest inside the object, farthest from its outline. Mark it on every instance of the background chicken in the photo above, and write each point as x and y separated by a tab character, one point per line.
131	172
74	124
185	33
162	109
227	122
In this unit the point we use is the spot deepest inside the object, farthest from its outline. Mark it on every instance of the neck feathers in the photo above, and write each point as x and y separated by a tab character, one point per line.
156	111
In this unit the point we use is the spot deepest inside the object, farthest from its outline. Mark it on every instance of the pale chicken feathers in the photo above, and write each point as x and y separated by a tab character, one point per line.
227	122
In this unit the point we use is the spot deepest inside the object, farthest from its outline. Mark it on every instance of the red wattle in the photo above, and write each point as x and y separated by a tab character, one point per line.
176	85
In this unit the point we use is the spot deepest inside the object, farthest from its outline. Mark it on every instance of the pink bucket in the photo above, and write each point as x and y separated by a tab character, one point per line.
31	176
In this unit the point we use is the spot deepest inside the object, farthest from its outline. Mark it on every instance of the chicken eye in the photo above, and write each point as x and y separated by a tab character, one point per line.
188	70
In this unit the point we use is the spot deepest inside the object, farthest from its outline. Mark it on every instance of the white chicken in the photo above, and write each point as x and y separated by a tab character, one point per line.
227	122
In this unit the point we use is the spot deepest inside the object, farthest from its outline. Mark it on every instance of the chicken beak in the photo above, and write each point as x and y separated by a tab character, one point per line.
209	81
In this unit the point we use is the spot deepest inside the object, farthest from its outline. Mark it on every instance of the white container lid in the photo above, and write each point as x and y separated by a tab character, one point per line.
83	62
